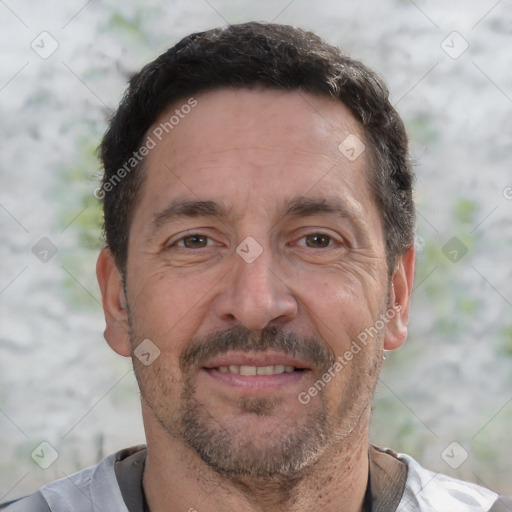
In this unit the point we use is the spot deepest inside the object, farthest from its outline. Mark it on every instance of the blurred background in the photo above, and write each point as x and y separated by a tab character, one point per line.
445	398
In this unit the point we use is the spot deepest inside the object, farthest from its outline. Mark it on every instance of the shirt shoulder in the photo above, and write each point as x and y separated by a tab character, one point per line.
88	490
429	491
32	503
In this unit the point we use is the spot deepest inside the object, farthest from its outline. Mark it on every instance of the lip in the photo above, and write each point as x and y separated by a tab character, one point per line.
267	358
255	383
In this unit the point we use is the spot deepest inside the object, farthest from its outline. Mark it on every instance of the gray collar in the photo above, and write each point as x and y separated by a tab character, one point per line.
386	483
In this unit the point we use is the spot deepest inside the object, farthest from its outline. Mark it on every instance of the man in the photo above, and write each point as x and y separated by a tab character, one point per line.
259	225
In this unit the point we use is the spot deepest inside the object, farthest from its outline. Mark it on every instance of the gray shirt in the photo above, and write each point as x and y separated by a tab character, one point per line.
397	483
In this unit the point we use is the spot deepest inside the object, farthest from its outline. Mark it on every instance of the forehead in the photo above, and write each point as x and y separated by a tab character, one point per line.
228	119
246	144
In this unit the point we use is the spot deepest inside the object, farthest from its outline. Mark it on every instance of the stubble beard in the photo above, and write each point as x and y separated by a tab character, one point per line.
280	453
283	455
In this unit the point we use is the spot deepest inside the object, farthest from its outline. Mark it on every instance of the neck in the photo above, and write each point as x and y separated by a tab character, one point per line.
175	478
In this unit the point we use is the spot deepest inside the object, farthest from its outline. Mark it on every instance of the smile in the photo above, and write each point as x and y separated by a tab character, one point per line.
256	370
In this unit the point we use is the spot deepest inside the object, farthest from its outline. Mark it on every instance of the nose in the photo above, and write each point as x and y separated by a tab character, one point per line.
254	294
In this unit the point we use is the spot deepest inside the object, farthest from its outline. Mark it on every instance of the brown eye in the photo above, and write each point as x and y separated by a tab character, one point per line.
194	241
318	240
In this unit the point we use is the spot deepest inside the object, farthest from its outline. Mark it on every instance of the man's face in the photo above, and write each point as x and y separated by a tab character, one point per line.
256	257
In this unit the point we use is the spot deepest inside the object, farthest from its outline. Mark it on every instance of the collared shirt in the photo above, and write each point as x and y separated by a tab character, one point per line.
397	483
386	483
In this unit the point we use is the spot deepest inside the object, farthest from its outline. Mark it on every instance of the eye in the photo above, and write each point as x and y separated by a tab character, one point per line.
317	240
195	241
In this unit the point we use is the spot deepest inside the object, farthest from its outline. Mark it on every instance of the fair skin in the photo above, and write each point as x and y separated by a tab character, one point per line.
267	162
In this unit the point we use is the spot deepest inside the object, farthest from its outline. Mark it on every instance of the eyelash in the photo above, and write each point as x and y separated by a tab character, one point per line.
190	235
177	242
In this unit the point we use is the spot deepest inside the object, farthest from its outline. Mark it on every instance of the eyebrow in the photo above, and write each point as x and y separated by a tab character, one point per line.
299	206
180	209
302	206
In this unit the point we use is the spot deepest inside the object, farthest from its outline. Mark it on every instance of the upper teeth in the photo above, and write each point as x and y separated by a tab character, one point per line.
256	370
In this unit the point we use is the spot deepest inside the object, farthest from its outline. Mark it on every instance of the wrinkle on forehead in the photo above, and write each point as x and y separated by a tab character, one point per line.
278	121
247	146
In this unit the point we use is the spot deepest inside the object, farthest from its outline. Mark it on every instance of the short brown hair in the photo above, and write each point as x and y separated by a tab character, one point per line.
272	56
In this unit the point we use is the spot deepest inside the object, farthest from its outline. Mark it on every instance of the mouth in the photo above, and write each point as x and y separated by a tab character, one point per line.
256	372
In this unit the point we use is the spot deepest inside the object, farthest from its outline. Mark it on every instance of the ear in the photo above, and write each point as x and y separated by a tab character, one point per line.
399	301
114	303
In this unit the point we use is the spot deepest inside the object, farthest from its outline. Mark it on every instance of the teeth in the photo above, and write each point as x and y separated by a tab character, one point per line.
256	370
265	370
248	370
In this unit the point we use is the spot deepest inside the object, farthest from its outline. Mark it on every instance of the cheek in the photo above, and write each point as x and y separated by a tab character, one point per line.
167	309
343	305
